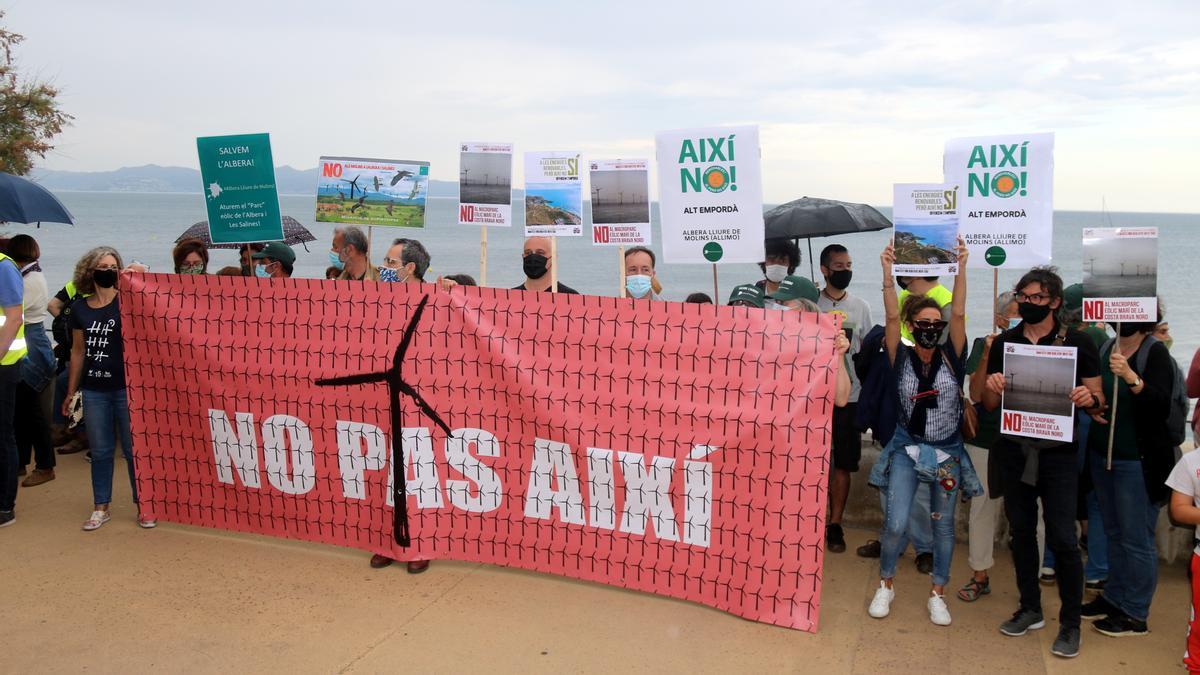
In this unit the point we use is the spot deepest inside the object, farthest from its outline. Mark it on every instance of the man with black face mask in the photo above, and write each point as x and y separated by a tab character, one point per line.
847	440
537	267
1036	469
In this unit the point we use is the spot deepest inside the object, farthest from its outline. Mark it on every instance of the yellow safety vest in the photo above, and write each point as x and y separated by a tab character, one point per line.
940	293
17	350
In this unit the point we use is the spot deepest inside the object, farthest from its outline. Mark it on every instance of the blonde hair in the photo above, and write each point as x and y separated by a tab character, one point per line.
84	283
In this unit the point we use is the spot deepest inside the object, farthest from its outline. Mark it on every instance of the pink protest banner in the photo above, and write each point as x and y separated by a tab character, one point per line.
665	447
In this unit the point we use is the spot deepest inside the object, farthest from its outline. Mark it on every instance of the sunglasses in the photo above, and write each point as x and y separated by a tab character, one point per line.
926	325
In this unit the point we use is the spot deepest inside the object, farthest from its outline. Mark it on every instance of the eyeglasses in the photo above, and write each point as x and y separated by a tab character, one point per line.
1035	298
106	268
391	262
927	325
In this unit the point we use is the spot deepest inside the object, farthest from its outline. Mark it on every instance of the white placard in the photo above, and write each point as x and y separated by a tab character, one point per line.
710	195
1037	392
1120	274
553	194
1005	197
620	191
925	232
485	184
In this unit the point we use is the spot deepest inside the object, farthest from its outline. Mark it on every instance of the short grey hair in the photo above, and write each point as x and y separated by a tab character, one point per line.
354	236
1003	301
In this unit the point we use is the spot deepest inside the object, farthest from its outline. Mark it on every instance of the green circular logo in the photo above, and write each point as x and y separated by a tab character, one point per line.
995	256
1005	184
713	251
716	179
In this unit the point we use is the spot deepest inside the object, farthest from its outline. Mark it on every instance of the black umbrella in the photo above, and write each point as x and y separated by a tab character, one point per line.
293	233
24	201
810	217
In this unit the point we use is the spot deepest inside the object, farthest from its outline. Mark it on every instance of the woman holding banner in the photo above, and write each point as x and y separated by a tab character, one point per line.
1134	490
928	444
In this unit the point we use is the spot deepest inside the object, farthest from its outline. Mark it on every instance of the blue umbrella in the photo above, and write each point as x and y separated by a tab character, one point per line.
24	201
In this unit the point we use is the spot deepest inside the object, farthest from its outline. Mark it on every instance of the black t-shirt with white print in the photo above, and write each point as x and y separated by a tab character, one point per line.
104	358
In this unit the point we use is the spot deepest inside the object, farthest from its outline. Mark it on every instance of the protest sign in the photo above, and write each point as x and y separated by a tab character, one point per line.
1005	197
925	235
1037	392
641	459
710	195
239	188
553	194
372	191
485	184
620	202
1120	274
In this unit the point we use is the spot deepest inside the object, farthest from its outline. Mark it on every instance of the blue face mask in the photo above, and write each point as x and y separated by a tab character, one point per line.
261	272
336	261
638	285
1014	322
388	274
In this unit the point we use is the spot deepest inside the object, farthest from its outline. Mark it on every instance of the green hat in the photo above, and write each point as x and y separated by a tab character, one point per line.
1073	297
277	250
748	293
792	288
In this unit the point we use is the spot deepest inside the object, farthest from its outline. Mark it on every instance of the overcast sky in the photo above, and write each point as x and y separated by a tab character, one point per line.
851	96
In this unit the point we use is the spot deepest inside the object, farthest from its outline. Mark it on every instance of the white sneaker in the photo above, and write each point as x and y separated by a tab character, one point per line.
881	605
939	614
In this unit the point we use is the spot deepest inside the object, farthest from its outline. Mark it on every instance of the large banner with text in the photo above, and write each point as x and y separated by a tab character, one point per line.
652	446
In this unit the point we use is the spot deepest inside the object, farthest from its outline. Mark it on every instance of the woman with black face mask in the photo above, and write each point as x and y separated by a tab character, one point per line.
1132	493
927	445
97	371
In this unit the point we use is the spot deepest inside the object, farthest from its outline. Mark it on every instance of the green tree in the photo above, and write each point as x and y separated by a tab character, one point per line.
29	114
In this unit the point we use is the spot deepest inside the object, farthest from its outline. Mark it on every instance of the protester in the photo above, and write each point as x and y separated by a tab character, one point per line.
230	271
746	295
274	261
1184	481
191	257
98	372
639	274
536	264
462	279
66	441
37	369
795	293
837	269
929	287
332	273
13	349
247	263
1031	469
985	509
703	299
1162	332
1132	491
349	254
781	260
927	444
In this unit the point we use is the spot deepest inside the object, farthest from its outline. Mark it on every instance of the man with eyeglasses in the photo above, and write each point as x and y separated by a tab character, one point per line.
406	262
1031	469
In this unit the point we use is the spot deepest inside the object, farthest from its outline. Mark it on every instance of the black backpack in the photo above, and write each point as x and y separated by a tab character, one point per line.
60	328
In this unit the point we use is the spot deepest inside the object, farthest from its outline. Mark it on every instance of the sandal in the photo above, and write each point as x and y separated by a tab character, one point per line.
97	519
974	589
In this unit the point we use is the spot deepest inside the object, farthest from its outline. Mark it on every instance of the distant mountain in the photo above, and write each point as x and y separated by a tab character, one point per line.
154	178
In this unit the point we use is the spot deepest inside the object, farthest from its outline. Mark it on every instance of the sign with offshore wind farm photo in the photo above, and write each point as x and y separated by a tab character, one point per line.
925	233
1120	274
1037	392
485	184
620	202
363	191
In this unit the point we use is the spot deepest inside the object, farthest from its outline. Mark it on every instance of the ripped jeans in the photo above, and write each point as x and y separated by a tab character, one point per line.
900	490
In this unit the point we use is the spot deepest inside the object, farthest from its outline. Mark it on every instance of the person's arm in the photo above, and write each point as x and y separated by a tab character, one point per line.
841	395
994	383
978	383
1183	509
958	303
12	324
75	373
1193	376
55	307
891	304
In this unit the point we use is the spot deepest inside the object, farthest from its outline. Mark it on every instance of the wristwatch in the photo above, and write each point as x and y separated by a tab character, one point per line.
1137	384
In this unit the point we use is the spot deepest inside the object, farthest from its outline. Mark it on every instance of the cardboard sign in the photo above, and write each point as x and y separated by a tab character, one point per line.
553	194
620	202
239	188
372	191
1037	394
485	184
1120	274
925	233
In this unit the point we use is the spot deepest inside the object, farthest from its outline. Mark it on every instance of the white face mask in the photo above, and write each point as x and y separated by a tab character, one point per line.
776	273
771	304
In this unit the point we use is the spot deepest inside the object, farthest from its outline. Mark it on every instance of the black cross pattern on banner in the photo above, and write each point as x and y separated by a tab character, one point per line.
394	379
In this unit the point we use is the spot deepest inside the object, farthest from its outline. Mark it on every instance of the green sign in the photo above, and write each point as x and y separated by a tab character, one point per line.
239	188
713	251
995	256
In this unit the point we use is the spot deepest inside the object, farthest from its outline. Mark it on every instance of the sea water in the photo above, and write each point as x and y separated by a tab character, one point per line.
144	227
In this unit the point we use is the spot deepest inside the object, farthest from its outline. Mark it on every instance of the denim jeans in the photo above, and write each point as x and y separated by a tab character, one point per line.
107	415
920	527
1129	520
1096	567
37	370
9	464
1057	487
901	492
